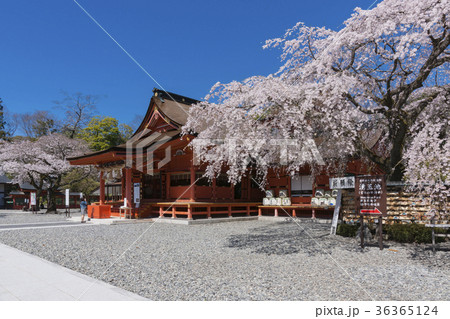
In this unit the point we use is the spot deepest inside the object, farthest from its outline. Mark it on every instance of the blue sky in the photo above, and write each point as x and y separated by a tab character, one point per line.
187	46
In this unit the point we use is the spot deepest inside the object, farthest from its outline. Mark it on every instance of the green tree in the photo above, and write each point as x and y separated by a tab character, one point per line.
104	132
125	131
81	179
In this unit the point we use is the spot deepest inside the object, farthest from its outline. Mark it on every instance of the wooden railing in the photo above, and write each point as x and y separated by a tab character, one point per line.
189	210
302	210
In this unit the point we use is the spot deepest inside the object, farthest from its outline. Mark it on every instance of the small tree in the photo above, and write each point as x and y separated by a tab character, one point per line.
2	122
7	125
42	163
103	133
81	179
37	124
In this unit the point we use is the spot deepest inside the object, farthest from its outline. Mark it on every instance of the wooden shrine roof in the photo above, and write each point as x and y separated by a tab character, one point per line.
166	114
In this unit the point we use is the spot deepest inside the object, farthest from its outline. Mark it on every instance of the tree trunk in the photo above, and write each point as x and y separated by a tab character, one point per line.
51	205
38	199
396	168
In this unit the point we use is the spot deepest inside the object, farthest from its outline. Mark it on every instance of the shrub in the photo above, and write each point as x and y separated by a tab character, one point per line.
411	233
347	230
403	233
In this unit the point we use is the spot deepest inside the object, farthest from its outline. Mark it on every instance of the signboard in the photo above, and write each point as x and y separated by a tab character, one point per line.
33	199
370	197
137	192
370	192
342	182
67	197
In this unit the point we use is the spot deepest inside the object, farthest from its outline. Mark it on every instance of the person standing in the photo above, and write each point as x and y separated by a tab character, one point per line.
83	207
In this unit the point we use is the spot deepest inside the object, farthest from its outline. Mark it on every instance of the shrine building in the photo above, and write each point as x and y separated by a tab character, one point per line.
154	175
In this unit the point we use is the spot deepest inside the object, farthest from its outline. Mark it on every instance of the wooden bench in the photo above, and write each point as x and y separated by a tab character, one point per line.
433	235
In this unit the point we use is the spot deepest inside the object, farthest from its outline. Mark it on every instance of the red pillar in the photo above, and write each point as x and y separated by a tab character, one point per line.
249	188
122	180
174	213
192	189
128	187
102	189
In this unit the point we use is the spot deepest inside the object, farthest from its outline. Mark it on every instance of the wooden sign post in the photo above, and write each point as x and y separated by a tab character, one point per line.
370	198
339	183
337	208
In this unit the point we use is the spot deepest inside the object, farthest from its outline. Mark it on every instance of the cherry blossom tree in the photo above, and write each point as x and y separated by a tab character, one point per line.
384	75
42	163
428	164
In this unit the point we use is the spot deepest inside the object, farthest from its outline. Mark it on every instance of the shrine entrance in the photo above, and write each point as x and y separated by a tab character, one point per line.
151	186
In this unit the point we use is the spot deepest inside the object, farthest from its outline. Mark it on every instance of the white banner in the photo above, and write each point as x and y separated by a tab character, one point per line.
33	199
67	197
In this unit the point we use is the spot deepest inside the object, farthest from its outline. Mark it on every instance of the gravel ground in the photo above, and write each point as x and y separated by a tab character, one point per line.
20	217
251	260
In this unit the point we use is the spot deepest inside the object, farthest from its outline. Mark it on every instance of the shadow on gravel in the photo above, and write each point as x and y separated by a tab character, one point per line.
423	253
285	238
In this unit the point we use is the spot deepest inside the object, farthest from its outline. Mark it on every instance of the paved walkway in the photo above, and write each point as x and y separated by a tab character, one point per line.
27	277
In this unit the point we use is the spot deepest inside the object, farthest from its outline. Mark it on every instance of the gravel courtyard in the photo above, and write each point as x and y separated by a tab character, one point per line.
8	217
250	260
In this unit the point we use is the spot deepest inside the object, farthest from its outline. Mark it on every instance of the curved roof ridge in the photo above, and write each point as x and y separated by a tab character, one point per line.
172	107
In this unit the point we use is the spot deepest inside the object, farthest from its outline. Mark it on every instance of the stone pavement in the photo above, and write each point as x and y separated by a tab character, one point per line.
27	277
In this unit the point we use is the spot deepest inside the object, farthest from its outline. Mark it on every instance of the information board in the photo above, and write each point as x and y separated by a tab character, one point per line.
137	192
370	195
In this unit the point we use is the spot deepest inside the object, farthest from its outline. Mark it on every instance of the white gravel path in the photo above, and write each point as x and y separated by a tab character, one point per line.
251	260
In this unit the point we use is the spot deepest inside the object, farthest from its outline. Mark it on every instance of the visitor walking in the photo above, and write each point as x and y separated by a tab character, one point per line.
83	207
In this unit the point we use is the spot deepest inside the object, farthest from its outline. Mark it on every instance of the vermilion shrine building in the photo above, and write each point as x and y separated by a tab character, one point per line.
175	187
